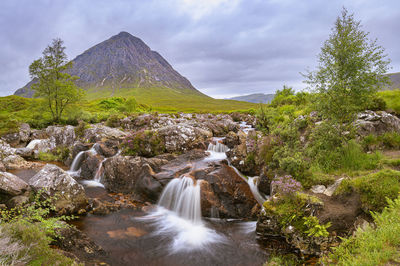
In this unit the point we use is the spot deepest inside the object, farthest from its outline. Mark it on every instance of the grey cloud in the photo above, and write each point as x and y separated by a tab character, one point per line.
255	47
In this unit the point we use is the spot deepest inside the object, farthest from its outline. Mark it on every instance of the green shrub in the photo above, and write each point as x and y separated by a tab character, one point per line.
145	143
114	120
80	128
32	229
390	140
111	103
376	187
47	157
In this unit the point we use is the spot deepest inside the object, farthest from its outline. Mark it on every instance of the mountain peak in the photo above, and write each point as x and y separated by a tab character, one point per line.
122	61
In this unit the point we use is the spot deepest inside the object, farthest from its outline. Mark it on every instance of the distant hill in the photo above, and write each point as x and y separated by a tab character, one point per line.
395	80
255	98
120	63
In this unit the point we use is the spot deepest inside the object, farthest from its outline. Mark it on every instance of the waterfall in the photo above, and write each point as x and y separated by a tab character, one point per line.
77	162
182	196
253	184
217	151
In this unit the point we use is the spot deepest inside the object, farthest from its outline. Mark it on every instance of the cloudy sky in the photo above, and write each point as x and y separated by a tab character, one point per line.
224	47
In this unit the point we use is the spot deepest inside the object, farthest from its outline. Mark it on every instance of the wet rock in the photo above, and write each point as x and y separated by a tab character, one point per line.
53	181
108	148
264	185
231	139
12	185
133	175
228	193
377	123
78	243
99	207
89	165
101	133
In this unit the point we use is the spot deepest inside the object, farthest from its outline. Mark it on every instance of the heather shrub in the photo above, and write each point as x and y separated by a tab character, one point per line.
285	185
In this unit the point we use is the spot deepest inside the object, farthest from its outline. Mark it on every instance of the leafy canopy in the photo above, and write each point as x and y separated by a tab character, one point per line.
350	70
53	82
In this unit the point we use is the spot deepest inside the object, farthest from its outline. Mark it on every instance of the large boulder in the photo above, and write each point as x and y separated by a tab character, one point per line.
11	185
133	175
377	123
225	194
41	145
64	136
183	137
100	133
68	196
90	165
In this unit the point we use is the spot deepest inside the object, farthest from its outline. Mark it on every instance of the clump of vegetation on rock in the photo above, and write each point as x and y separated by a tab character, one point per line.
145	143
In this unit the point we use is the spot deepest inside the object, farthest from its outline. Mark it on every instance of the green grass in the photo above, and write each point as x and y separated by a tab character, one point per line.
373	246
392	99
373	188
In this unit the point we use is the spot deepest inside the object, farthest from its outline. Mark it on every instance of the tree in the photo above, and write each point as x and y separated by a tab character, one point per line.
350	71
53	82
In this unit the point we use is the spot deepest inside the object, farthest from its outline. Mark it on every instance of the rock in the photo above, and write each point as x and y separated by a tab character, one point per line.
12	138
24	132
102	207
12	185
225	194
64	136
76	242
17	201
264	185
41	145
2	167
377	123
14	162
133	175
108	149
39	134
24	152
6	149
318	189
100	132
332	188
70	196
183	137
90	164
231	139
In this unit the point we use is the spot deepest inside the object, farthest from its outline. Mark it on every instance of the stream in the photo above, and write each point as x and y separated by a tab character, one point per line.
173	232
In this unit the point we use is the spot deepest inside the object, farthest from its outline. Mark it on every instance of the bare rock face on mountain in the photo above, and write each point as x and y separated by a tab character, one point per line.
123	61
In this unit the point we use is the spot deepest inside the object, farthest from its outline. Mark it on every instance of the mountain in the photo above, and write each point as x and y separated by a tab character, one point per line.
395	81
255	98
122	62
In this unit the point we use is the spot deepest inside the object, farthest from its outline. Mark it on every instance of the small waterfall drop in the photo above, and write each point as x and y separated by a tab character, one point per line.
217	151
182	196
76	163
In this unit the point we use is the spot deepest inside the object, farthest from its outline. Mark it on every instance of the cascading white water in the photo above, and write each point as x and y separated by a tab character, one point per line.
182	196
253	184
217	151
76	163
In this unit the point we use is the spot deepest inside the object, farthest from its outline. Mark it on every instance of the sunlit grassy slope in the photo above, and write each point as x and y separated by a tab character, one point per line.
170	100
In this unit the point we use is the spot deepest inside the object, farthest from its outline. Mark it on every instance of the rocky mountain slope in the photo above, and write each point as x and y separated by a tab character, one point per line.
395	81
255	98
123	61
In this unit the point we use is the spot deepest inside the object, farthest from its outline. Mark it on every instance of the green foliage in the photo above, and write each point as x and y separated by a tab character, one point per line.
114	120
47	157
290	211
33	228
372	246
313	228
80	128
350	71
145	143
282	260
53	83
388	140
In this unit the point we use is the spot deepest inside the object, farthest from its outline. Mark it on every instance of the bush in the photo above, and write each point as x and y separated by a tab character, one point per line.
30	230
145	143
114	120
285	186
